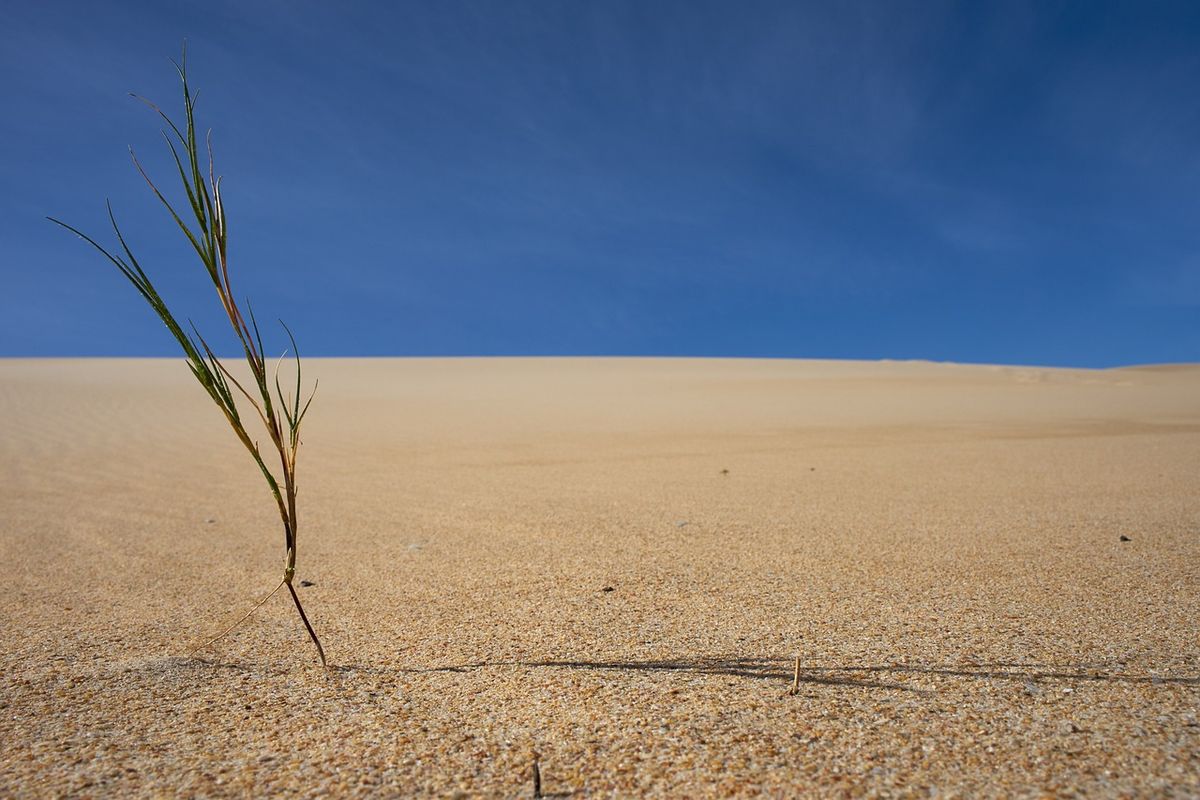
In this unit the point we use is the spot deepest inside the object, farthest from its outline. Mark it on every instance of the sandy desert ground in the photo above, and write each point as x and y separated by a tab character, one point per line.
612	563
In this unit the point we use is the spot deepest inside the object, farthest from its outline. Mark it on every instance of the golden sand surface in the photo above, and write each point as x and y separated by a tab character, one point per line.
612	563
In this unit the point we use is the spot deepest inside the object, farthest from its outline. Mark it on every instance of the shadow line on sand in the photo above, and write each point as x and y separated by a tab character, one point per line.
779	669
775	669
1020	672
771	669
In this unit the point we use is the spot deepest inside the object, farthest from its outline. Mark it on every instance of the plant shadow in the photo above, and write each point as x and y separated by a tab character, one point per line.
768	669
848	676
780	670
1030	673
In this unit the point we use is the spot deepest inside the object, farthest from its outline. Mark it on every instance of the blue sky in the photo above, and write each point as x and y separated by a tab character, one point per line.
1006	183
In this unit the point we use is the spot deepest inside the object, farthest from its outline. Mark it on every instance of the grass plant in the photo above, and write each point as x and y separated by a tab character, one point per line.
280	415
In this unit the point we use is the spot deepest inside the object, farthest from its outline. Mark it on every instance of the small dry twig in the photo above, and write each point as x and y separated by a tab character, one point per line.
795	687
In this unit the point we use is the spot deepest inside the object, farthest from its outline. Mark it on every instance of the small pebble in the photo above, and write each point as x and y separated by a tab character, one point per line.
1125	538
607	589
307	583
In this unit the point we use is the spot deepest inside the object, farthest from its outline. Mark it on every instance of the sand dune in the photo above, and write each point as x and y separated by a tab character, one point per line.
612	562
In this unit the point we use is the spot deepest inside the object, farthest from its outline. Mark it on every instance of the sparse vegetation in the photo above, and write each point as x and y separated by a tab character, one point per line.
280	415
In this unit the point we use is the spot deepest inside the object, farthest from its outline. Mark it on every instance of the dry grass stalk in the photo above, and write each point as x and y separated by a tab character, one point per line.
794	689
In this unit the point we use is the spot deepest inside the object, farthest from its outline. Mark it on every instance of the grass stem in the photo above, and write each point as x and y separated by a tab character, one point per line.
795	687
